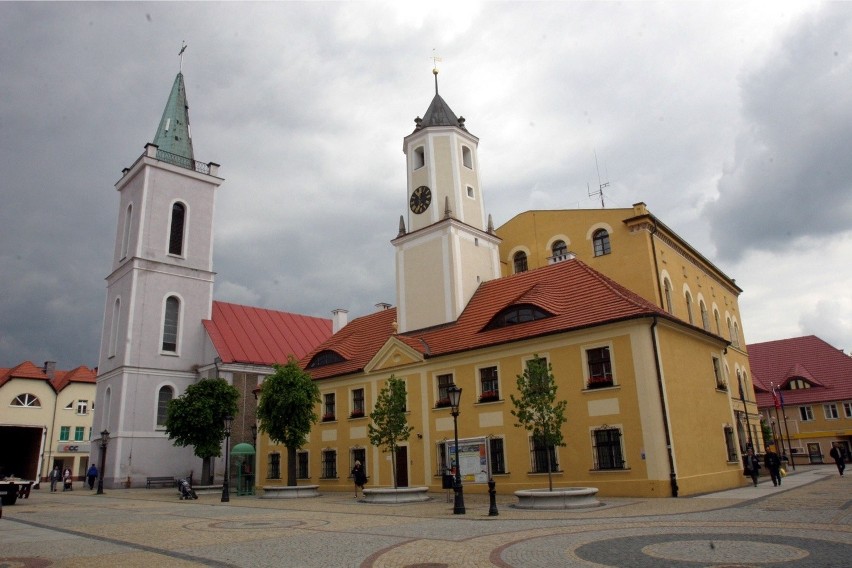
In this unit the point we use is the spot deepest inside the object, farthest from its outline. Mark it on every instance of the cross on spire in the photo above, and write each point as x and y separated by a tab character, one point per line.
435	59
183	47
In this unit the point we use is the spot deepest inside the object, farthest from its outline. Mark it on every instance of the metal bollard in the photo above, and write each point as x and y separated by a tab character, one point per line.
492	498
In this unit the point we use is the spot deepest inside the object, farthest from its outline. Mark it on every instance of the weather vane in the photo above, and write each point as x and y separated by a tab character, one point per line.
180	54
435	59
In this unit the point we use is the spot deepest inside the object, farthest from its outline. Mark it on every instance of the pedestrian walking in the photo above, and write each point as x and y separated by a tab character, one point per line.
66	479
752	466
359	477
55	476
838	455
91	476
772	461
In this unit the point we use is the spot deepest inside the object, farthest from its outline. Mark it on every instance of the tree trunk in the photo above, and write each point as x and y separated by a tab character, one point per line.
393	464
291	467
549	470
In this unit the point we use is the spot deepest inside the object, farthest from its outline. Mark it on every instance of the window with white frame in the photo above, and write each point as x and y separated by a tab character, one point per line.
329	464
443	382
178	223
357	403
125	240
717	374
806	413
470	192
170	324
419	158
64	433
467	160
599	367
27	400
705	318
79	433
164	396
489	385
600	241
519	261
539	453
667	293
847	409
606	445
689	307
82	407
830	411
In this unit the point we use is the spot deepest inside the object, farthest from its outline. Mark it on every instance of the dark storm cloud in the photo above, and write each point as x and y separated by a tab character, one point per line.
791	176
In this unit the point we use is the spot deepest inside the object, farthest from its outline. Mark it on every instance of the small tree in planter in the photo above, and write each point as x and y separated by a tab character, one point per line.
389	424
536	408
285	410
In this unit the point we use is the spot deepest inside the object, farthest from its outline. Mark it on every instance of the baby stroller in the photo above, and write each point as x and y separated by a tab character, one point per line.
186	490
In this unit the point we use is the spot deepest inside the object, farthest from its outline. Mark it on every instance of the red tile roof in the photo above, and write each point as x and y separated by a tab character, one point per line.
244	334
573	293
60	380
827	368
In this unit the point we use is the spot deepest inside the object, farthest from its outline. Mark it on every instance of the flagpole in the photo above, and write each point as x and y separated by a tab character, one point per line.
745	409
777	405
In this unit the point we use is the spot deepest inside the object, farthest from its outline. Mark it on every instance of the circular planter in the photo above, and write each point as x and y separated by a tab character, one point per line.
289	491
398	495
563	498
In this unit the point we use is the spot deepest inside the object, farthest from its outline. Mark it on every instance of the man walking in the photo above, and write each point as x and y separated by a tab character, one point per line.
55	476
838	455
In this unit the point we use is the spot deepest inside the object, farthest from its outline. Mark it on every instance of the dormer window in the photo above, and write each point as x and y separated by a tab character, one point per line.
419	158
325	357
514	315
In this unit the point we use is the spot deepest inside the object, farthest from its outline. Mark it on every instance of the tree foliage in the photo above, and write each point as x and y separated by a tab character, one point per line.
286	410
536	408
389	423
196	418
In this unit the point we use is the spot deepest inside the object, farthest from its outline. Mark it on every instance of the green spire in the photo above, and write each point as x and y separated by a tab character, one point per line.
173	134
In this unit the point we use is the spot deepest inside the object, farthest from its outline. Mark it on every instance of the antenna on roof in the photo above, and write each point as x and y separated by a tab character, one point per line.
435	59
180	54
601	185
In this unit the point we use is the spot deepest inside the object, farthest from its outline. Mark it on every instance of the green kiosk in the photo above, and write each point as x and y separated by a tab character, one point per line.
242	456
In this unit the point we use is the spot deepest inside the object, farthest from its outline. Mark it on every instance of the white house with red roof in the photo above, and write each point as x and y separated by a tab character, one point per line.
804	391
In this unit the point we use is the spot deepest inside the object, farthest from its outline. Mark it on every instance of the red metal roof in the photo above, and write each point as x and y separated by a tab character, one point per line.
827	368
60	380
573	293
244	334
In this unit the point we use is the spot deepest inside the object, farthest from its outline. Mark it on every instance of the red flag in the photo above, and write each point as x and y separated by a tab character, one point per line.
776	396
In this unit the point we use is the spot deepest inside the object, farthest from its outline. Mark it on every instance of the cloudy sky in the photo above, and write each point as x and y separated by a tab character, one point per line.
732	121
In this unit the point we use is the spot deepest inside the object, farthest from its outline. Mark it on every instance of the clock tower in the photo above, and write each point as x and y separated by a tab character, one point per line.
449	247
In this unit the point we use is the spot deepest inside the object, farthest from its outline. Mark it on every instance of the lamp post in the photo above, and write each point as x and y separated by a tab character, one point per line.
225	495
454	393
104	442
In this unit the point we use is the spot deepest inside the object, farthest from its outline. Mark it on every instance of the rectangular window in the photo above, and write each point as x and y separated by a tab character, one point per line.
539	454
498	457
64	433
600	367
717	375
729	444
357	403
328	407
606	443
830	411
443	466
489	385
82	406
358	455
847	409
79	433
329	464
274	469
302	465
806	413
444	382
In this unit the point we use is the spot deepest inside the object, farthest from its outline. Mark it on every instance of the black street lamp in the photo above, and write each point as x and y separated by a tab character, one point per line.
104	442
454	393
225	494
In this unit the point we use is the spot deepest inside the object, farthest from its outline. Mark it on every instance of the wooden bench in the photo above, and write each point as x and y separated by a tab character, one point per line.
166	480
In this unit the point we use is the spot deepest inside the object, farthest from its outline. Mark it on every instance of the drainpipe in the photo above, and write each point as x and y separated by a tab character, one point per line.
656	266
665	412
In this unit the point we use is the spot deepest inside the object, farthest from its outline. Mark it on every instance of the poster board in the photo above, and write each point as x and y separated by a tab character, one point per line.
473	459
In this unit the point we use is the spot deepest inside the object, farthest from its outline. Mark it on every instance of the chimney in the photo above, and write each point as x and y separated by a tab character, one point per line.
50	369
382	306
340	318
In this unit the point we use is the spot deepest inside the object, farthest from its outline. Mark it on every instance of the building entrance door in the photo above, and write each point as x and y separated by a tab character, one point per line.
402	466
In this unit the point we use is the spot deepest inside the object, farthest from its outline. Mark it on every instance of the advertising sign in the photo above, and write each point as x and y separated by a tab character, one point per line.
473	459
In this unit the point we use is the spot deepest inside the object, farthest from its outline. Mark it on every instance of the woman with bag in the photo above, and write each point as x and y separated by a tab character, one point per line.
752	466
773	464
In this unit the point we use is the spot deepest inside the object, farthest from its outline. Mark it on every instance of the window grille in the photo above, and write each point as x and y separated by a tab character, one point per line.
606	443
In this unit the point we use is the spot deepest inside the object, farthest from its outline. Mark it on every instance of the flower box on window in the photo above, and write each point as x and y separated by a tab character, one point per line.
721	385
489	396
599	382
357	414
327	417
442	403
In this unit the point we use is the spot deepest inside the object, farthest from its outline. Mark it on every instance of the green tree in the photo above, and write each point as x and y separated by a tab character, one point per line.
196	418
537	410
389	421
285	410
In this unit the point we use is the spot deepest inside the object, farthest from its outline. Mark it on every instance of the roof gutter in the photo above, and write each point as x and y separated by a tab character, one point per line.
665	409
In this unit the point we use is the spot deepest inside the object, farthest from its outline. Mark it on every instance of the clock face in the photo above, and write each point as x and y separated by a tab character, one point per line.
420	199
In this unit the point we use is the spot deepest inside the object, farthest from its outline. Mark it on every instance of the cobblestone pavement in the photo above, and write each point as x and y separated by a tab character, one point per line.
807	522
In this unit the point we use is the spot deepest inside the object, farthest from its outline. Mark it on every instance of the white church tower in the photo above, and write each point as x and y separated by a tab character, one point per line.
158	292
449	247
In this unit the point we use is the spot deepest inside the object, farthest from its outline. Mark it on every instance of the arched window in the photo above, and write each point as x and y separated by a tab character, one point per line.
705	318
325	357
736	337
689	307
718	324
667	291
520	260
600	238
466	157
177	227
559	249
730	330
125	240
28	400
170	324
166	394
114	328
514	315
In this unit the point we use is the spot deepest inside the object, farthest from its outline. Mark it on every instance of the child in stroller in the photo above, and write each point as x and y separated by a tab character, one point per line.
185	489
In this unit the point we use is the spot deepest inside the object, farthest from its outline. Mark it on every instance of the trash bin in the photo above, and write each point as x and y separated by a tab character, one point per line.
446	481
